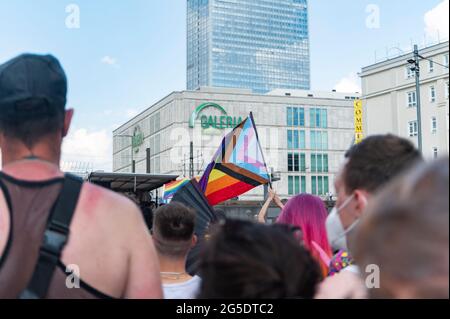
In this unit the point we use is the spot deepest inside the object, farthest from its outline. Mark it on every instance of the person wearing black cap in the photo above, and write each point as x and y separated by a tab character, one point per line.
60	237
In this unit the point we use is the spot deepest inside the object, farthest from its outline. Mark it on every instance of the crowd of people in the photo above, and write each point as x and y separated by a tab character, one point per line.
387	237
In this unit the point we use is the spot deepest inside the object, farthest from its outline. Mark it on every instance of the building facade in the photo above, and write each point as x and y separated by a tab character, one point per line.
303	135
253	44
389	99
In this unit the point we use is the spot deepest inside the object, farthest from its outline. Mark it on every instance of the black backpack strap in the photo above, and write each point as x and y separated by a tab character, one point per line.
55	238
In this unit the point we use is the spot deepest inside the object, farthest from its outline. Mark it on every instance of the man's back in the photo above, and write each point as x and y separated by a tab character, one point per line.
108	244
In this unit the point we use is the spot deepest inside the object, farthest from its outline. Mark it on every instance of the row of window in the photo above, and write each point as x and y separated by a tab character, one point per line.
296	139
318	117
411	96
297	163
319	185
413	129
431	67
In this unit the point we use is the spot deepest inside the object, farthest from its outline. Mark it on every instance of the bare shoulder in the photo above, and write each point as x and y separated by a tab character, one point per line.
102	238
94	192
103	203
104	217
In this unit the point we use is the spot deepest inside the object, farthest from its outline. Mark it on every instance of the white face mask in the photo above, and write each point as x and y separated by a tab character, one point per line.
335	230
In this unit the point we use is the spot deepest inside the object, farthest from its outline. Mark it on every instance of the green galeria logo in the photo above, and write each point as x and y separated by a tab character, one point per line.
138	138
221	122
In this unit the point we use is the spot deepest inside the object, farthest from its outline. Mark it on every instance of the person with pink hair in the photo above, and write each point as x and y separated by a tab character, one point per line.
308	213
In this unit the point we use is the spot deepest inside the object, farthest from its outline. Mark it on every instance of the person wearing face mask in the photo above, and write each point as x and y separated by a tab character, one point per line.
368	167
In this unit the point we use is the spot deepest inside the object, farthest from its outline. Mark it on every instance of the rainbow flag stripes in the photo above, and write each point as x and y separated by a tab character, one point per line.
237	167
171	188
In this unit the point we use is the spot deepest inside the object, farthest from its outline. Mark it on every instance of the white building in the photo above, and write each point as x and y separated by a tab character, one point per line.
389	99
304	134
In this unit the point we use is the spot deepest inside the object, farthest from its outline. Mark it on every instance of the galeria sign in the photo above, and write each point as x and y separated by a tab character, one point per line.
220	122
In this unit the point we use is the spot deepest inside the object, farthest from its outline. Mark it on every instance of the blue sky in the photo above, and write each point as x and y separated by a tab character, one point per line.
127	54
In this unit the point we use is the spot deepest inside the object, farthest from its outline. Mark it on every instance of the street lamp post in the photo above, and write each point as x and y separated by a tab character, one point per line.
133	163
415	66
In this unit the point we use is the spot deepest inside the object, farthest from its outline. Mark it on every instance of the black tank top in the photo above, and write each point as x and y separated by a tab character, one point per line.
30	205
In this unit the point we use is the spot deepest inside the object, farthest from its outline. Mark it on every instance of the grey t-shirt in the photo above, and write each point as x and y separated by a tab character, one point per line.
184	290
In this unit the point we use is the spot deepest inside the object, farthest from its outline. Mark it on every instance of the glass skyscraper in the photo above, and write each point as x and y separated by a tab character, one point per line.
255	44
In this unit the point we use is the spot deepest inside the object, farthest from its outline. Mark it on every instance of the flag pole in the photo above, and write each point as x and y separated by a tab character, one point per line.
262	151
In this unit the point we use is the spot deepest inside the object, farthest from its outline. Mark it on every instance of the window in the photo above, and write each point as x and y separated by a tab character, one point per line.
290	163
318	118
291	185
410	73
446	60
435	152
296	139
326	185
314	185
324	118
301	114
412	101
412	129
302	141
312	117
319	163
319	140
296	162
296	185
325	163
324	140
290	141
295	116
432	94
157	147
290	114
320	185
313	163
430	66
433	125
303	185
302	163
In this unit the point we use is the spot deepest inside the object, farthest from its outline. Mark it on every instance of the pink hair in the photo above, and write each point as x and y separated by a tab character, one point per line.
308	212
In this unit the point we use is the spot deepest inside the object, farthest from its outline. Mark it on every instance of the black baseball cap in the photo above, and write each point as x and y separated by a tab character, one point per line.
32	86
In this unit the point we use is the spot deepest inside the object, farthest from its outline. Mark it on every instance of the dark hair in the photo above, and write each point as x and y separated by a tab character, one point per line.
376	160
31	129
254	261
173	229
405	232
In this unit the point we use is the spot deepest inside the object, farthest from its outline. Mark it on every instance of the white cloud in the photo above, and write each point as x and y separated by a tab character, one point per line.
349	84
88	148
110	61
437	21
